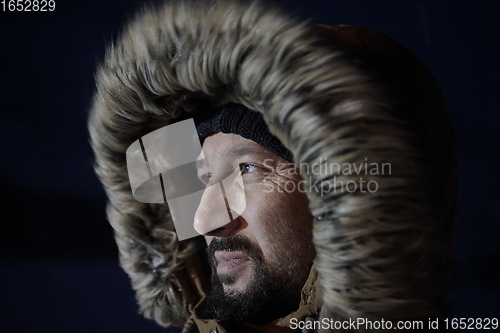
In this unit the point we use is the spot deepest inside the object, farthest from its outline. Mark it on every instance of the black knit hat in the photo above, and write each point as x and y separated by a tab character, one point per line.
238	119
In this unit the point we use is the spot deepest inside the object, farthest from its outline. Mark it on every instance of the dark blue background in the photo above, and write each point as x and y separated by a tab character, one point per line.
58	261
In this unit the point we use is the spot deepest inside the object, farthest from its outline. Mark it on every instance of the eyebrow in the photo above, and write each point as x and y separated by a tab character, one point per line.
200	163
240	152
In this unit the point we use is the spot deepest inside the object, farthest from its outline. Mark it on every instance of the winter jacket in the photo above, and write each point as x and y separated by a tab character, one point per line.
346	93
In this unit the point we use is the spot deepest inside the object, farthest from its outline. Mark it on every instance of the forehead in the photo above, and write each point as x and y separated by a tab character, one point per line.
235	146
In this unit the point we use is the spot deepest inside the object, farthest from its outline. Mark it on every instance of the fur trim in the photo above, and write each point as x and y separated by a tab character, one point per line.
377	253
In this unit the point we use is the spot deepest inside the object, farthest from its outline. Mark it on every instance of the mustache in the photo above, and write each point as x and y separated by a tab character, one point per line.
233	243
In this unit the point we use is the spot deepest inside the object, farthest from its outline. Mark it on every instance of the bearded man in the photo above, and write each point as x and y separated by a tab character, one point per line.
272	94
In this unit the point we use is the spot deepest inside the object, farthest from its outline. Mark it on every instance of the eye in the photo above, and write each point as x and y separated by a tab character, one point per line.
206	178
247	168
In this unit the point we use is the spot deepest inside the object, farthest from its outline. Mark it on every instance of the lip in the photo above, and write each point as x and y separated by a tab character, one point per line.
231	261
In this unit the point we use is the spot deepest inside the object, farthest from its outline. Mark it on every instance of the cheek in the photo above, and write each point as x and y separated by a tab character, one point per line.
279	218
286	195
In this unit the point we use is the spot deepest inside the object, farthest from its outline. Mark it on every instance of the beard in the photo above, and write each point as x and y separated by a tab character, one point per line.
270	294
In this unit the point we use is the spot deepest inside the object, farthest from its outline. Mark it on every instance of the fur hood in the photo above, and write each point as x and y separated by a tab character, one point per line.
343	94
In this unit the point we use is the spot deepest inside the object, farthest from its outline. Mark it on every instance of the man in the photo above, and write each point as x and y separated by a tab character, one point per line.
260	260
357	227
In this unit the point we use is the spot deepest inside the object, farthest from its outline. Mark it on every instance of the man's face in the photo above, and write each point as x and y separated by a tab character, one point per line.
260	259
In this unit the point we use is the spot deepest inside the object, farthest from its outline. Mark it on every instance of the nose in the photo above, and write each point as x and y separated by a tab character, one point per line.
214	216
